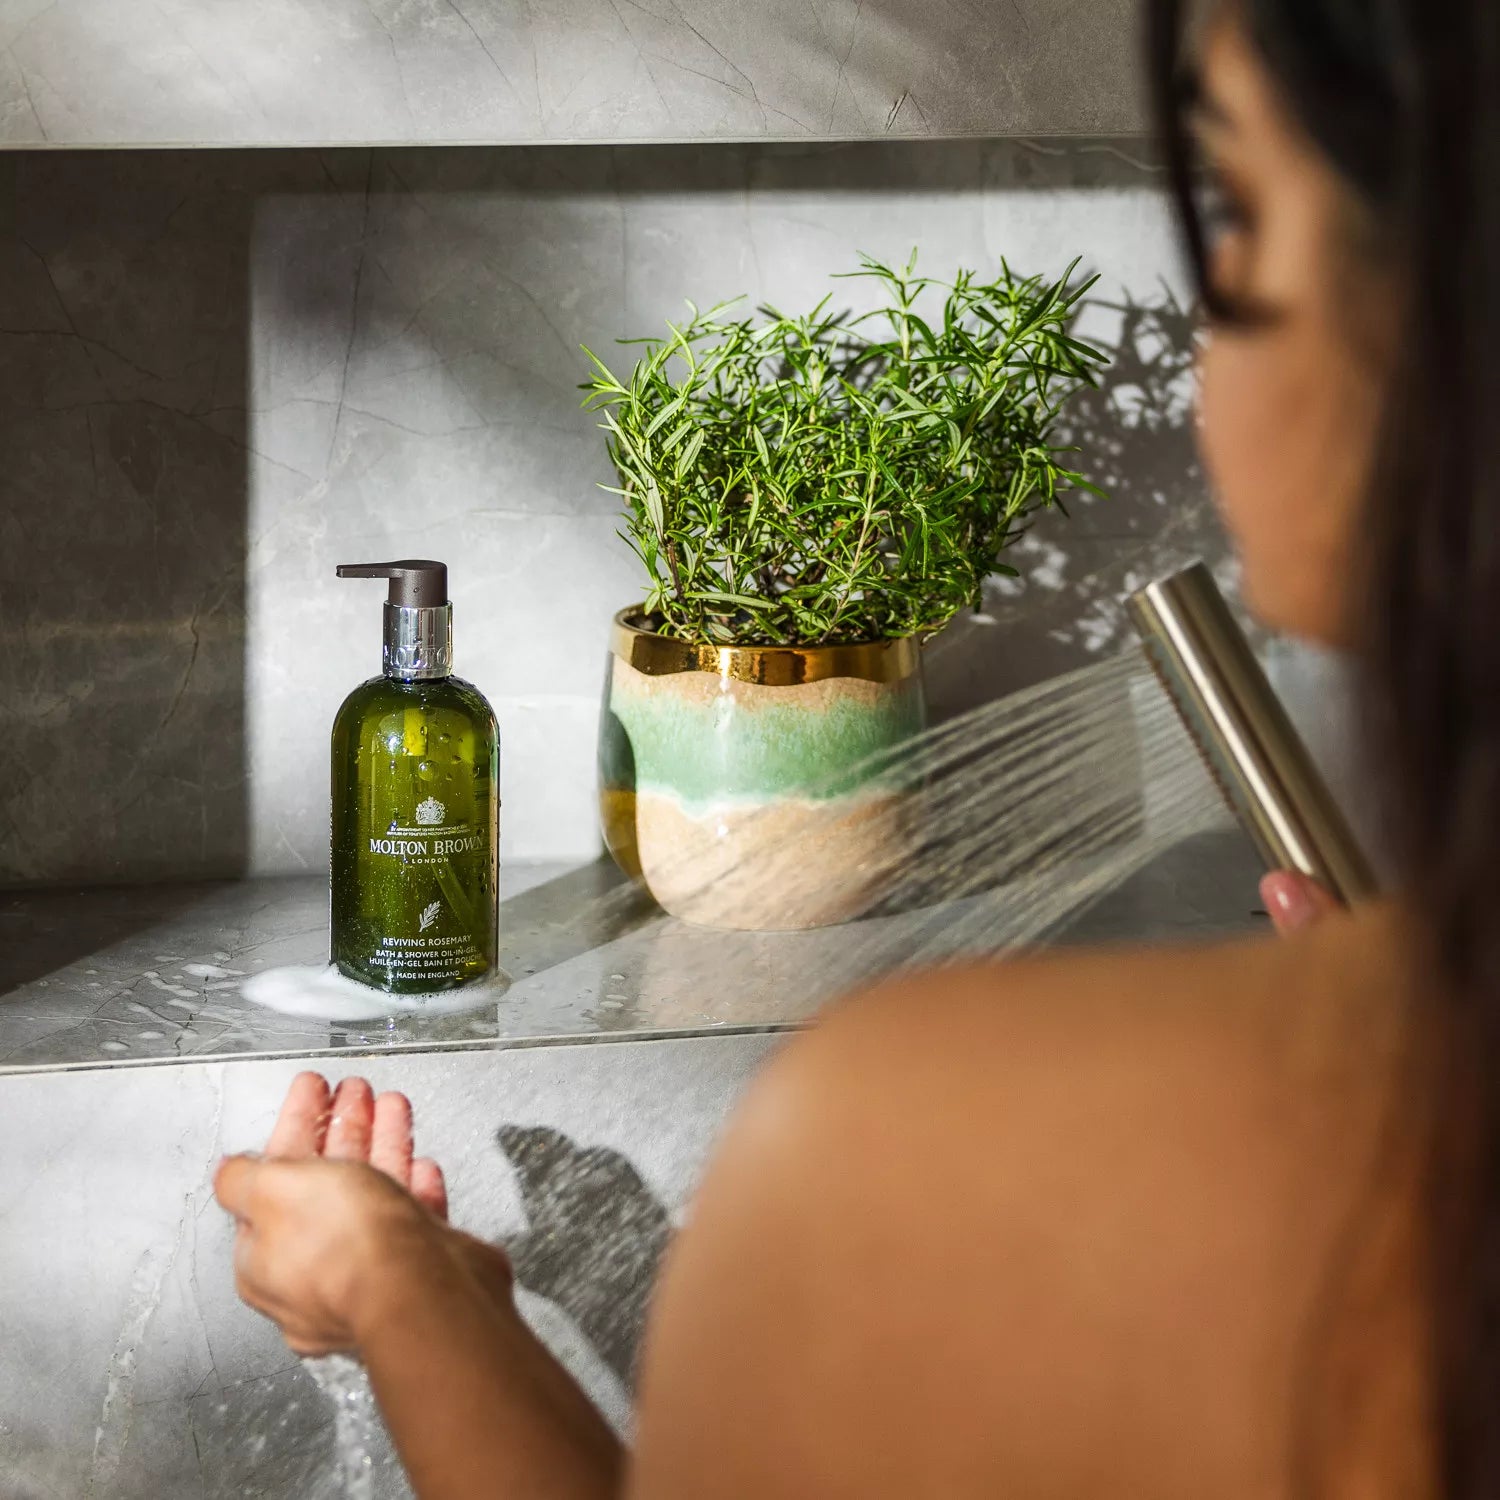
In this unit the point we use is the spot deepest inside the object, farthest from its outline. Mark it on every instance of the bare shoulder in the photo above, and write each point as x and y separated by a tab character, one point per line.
976	1213
1237	1031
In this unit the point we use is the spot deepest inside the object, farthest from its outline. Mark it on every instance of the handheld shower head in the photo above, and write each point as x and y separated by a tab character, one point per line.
1244	735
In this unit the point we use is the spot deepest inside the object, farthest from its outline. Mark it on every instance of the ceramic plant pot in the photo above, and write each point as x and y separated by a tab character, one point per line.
744	786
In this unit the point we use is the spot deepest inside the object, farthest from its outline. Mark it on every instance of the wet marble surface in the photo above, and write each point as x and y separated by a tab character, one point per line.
182	72
225	372
119	976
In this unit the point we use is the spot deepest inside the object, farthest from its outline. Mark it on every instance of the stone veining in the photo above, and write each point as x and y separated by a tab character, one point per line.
428	71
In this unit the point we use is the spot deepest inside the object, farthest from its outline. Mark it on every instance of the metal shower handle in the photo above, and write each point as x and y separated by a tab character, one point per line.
1243	733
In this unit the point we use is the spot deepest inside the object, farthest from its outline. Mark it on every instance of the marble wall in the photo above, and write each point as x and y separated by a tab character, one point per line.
123	508
130	1370
171	72
225	372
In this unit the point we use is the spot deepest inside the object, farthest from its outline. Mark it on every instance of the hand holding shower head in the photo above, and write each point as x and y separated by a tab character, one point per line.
1244	735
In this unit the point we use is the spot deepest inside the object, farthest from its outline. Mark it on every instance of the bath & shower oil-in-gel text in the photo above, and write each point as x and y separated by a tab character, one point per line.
415	781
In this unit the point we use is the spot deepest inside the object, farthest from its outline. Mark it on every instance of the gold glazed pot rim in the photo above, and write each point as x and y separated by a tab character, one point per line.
771	666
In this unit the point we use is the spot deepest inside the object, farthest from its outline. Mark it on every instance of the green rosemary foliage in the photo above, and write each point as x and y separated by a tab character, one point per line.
826	478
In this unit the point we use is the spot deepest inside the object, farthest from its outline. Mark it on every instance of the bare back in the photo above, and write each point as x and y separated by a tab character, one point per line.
1124	1224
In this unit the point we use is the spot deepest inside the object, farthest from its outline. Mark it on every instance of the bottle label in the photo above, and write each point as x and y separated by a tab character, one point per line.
414	846
430	840
405	845
427	959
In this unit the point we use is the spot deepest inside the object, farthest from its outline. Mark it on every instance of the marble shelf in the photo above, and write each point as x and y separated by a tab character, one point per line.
136	975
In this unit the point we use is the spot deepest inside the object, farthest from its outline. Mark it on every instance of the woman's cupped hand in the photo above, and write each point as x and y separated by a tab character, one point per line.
337	1216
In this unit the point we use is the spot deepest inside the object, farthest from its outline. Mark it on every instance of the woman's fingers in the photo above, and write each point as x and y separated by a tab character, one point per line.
428	1186
390	1137
234	1185
1294	901
303	1119
391	1151
351	1125
352	1122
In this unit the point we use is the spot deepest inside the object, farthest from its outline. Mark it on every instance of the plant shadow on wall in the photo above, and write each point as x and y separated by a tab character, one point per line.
594	1239
1137	434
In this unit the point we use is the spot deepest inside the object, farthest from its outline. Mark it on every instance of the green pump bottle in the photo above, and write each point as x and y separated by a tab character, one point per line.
416	802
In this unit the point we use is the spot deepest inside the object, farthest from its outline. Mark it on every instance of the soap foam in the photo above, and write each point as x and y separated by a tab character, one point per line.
324	994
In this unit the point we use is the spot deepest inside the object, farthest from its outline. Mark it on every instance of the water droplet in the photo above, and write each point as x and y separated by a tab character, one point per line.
426	770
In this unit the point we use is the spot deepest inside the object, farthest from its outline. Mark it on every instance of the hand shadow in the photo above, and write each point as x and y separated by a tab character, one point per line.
595	1238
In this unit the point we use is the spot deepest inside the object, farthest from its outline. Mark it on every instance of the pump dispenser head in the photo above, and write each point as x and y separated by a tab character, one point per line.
418	641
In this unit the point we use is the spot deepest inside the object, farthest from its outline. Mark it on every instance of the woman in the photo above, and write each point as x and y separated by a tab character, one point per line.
1221	1222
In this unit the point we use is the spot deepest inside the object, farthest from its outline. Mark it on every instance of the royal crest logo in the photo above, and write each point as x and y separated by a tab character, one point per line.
430	813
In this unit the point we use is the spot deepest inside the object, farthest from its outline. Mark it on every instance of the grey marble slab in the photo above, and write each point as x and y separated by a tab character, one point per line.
129	1369
153	974
315	72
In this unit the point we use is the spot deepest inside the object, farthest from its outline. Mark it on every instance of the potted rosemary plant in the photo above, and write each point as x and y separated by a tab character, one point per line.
811	497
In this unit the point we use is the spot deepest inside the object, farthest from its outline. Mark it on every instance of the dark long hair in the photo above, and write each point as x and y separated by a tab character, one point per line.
1403	98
